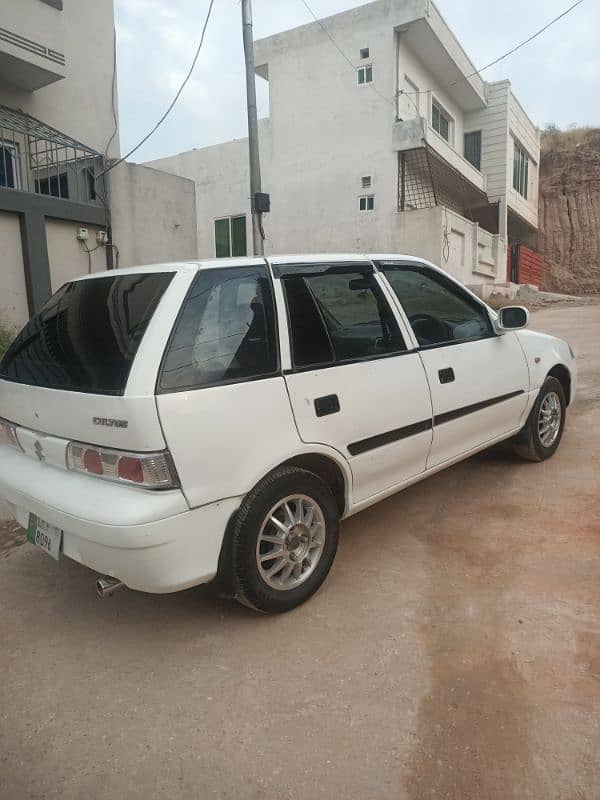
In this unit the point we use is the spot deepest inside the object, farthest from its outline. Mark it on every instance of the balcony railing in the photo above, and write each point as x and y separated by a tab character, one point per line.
39	159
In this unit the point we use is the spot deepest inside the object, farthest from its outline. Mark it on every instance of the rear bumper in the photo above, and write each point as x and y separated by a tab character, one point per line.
151	541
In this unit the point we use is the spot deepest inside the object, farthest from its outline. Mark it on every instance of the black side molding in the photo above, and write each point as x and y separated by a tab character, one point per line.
381	439
362	446
448	416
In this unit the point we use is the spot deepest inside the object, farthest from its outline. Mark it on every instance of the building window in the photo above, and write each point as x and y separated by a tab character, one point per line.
366	181
473	148
364	53
440	121
230	236
366	202
54	185
9	165
520	171
365	74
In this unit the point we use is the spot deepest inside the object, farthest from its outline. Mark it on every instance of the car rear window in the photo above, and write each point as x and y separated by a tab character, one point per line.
225	332
86	336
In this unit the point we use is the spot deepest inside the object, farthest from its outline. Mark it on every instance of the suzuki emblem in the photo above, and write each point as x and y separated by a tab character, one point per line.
39	451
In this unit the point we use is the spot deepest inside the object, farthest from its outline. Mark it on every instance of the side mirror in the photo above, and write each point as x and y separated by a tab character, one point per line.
512	318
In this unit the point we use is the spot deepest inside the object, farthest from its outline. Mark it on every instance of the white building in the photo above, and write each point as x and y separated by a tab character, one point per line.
58	131
406	151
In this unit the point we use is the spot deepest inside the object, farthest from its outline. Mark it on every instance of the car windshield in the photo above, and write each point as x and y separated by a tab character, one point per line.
86	336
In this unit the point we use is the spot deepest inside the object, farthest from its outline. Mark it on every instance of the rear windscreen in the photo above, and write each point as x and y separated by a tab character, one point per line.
86	336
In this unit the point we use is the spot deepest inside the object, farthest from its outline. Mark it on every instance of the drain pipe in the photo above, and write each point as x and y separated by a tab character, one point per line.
107	585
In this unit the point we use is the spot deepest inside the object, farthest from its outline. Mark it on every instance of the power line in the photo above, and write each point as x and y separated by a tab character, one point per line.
173	102
511	51
339	49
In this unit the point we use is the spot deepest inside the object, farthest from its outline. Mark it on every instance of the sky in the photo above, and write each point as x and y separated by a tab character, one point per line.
556	77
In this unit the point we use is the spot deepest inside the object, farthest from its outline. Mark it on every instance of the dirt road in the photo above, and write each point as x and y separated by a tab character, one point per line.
454	652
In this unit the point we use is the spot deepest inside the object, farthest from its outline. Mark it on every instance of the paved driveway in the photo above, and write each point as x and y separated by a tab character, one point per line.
454	652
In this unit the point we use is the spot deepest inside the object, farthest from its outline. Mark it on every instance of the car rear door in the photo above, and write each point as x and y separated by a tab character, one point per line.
479	381
352	383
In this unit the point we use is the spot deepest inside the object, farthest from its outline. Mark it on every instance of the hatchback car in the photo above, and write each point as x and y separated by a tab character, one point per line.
164	425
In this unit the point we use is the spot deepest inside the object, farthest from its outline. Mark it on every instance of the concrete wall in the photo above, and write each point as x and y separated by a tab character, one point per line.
13	298
67	256
456	244
80	104
153	215
413	67
492	121
527	135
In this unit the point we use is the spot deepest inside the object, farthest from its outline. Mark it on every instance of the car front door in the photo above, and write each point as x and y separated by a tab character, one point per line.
479	380
352	383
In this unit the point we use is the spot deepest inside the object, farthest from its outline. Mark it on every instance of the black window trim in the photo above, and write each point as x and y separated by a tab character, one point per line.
300	270
277	373
448	283
321	268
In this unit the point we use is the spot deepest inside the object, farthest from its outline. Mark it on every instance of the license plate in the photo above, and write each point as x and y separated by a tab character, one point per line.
45	536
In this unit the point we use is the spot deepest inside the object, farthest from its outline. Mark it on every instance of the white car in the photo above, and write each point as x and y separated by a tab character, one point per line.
164	425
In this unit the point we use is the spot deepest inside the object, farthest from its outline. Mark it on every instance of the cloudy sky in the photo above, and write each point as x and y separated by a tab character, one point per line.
556	77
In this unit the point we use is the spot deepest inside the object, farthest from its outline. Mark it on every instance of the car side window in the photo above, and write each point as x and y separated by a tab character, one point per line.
439	313
338	316
225	331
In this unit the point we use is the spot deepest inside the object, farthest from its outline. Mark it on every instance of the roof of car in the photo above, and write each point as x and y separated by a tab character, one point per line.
248	261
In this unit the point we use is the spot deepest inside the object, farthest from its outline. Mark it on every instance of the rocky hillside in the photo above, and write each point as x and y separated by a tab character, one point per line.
569	211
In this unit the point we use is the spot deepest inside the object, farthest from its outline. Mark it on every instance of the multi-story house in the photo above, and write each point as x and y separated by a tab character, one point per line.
394	144
58	132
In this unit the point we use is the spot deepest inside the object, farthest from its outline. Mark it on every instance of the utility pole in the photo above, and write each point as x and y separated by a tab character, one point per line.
256	197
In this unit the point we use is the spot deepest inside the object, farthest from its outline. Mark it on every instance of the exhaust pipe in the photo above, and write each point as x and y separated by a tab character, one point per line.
107	585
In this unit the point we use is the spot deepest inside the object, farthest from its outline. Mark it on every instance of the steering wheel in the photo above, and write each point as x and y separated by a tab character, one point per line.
428	329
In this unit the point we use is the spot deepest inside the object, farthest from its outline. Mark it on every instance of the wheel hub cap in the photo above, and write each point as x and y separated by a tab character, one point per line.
290	542
549	419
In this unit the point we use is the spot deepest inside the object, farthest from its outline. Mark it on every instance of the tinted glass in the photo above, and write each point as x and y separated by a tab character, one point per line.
7	172
86	336
437	312
339	316
225	333
238	236
473	148
222	243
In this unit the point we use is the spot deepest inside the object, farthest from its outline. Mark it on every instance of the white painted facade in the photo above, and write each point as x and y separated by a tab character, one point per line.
325	133
57	66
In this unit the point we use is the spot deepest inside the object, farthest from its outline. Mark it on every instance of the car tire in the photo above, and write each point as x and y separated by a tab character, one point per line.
281	556
541	436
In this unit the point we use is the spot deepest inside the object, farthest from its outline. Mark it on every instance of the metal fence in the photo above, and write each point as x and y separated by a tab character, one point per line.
37	158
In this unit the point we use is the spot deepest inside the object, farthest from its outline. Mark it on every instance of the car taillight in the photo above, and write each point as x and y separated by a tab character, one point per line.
149	470
8	434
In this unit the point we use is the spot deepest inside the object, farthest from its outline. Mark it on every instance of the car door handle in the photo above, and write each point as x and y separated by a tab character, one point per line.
446	375
329	404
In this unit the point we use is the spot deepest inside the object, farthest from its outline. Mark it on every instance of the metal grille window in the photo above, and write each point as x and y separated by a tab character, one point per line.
365	74
440	122
520	171
9	165
37	158
366	202
366	181
473	148
230	236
